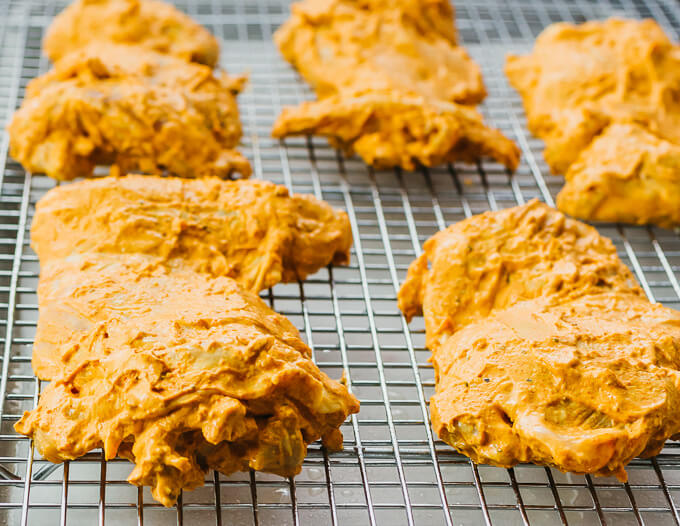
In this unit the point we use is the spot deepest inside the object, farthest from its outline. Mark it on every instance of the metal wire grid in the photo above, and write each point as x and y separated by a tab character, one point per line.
393	469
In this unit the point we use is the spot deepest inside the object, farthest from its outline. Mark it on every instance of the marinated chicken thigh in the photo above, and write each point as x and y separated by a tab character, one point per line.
618	74
133	108
545	349
392	83
251	231
151	24
178	371
627	174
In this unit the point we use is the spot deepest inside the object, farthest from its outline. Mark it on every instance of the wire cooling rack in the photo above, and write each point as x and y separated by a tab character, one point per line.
393	469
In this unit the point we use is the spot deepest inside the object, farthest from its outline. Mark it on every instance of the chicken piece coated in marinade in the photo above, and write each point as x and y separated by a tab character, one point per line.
178	371
251	231
393	45
609	113
388	129
147	23
392	83
131	107
545	349
627	174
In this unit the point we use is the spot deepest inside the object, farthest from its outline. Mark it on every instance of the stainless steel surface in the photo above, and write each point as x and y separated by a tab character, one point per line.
393	470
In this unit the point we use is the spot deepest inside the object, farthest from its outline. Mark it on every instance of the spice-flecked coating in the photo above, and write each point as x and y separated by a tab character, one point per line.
251	231
544	347
616	72
351	46
133	108
387	129
628	175
155	25
178	371
391	80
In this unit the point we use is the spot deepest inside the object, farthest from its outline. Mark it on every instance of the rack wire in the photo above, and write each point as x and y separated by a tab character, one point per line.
393	469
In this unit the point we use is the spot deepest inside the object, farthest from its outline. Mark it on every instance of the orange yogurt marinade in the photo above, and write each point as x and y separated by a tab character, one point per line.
544	347
609	112
155	341
393	85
